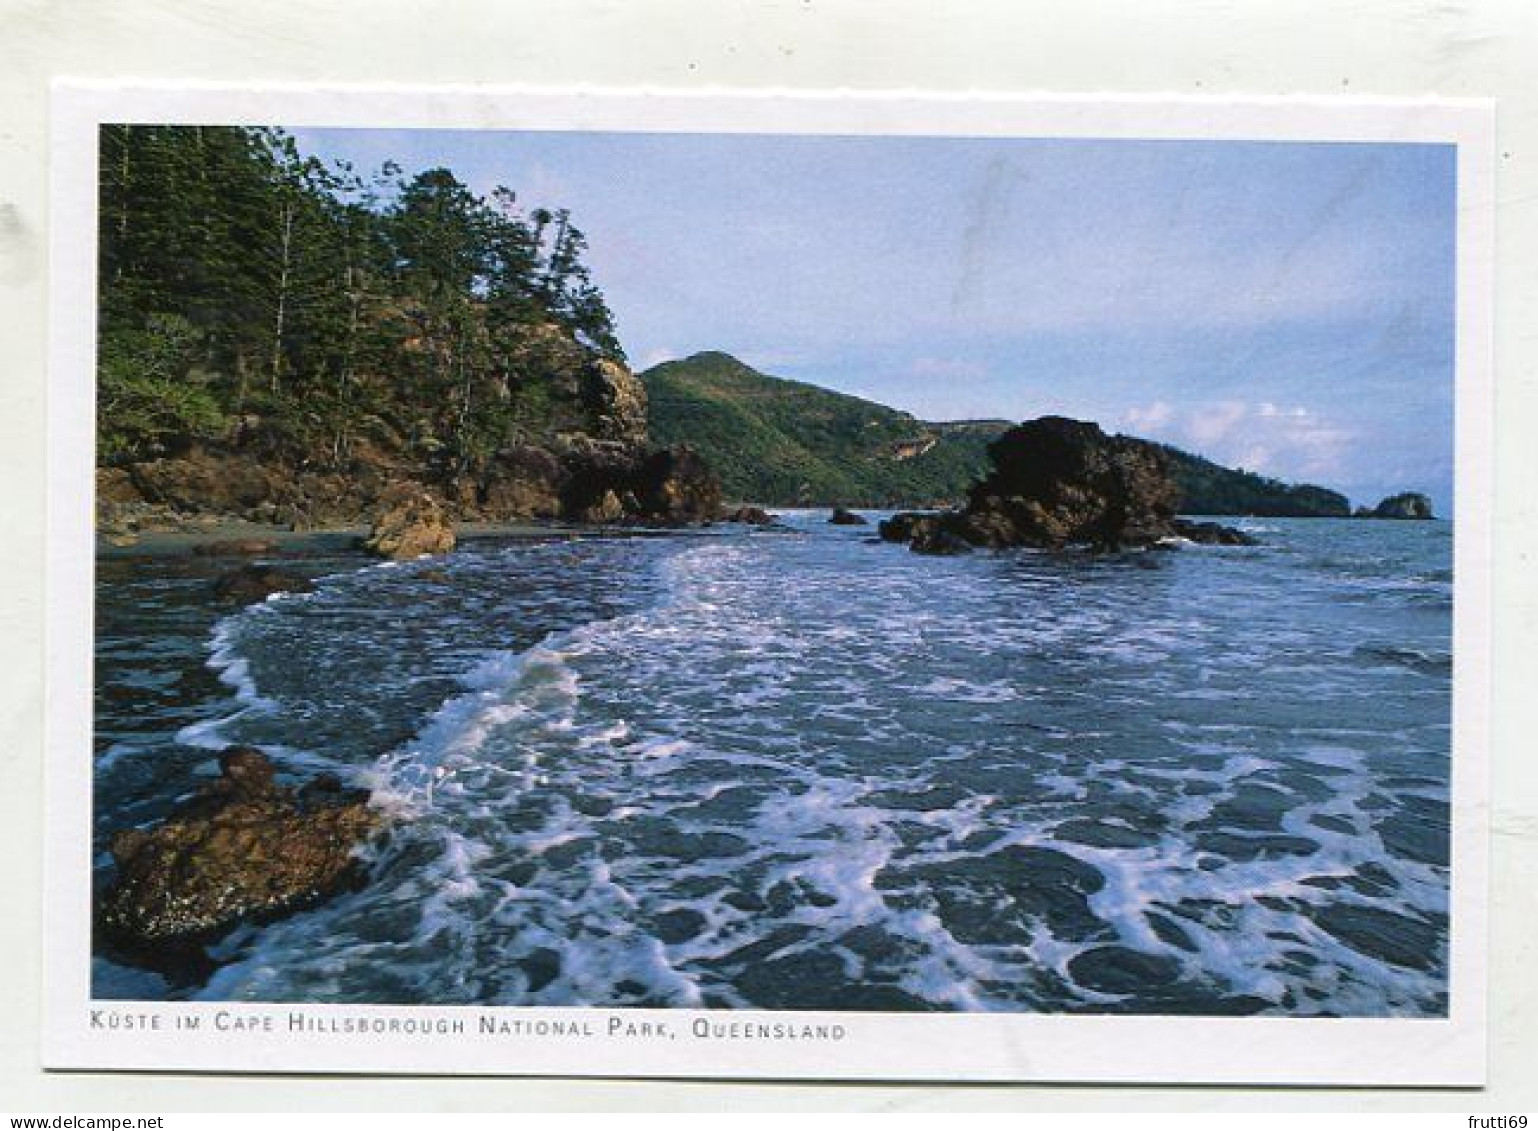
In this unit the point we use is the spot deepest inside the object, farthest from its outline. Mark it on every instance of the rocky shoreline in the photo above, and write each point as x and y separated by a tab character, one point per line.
244	849
247	849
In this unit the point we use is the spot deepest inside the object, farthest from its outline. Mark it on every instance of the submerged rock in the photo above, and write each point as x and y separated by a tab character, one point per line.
252	583
244	849
1211	533
234	548
411	523
842	517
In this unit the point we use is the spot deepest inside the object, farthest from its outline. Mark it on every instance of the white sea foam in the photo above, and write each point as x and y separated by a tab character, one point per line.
802	756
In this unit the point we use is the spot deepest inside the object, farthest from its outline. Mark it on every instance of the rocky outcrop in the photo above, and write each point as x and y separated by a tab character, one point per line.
1407	505
750	516
583	457
411	523
1211	533
244	849
842	517
521	483
676	485
252	583
1055	483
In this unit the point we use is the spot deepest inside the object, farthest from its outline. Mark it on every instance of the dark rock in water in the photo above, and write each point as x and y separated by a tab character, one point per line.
411	522
1118	970
937	539
842	517
1058	482
252	583
1211	533
1408	505
244	849
676	485
750	516
926	532
902	526
234	547
1384	935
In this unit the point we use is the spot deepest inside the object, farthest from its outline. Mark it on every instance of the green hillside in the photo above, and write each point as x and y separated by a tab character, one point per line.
784	443
1210	488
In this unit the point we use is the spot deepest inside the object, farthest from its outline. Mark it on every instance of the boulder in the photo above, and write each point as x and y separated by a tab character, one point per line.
411	523
244	849
842	517
252	583
1408	505
607	508
1057	482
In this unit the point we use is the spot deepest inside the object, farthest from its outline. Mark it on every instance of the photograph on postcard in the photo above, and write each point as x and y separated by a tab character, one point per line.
843	572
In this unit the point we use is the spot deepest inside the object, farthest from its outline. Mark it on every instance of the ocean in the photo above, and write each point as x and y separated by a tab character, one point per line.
802	769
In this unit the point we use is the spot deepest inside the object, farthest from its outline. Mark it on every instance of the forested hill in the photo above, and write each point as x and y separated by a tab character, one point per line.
307	332
1210	488
783	443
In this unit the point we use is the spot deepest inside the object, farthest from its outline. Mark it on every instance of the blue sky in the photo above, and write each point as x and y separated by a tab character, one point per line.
1283	307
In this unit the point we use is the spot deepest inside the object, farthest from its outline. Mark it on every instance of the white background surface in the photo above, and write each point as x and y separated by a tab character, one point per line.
1258	47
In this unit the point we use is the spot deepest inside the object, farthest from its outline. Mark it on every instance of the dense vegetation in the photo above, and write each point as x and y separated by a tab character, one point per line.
1210	488
783	443
255	297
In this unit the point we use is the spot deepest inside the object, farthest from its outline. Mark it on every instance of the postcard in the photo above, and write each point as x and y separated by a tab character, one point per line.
842	587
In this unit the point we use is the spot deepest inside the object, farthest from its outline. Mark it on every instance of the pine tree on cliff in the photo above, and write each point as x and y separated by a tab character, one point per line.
251	295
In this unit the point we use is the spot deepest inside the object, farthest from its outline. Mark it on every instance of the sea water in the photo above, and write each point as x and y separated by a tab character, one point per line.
803	769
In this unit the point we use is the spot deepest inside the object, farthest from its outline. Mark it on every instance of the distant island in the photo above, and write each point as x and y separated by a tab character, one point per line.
788	443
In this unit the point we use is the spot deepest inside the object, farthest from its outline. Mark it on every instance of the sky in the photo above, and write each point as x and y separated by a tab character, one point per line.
1283	307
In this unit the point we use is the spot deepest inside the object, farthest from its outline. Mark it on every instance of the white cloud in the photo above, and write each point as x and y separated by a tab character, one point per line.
1286	441
656	357
1148	417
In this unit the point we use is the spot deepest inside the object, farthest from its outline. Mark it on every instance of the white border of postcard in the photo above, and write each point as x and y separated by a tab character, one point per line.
235	1037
